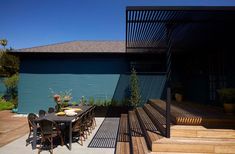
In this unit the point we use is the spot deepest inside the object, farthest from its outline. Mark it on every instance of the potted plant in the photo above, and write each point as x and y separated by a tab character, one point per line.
227	97
177	89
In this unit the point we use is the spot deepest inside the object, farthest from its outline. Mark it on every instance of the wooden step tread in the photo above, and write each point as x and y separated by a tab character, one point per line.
123	140
123	131
139	145
182	140
149	129
200	131
194	145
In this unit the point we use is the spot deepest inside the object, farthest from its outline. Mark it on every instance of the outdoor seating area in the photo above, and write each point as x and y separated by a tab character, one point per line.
50	126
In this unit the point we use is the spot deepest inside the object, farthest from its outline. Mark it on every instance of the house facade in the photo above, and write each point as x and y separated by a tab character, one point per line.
97	70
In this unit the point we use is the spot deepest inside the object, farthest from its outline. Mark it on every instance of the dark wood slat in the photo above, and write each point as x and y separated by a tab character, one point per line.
150	131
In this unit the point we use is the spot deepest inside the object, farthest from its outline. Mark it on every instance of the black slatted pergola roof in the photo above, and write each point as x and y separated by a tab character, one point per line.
152	28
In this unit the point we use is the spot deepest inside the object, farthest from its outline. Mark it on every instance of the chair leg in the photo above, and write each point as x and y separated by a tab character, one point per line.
80	138
27	140
61	139
52	145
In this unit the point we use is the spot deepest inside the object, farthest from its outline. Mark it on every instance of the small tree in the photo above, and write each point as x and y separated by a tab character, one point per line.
134	88
3	42
9	64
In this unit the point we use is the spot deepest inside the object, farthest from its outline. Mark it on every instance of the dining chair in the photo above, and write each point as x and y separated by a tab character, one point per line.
93	117
49	130
88	121
51	110
78	128
31	117
42	113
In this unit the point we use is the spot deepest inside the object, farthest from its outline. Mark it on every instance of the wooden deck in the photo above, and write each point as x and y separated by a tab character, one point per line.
187	113
141	131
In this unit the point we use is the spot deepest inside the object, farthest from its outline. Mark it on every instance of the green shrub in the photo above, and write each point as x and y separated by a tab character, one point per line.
114	103
11	85
6	105
91	101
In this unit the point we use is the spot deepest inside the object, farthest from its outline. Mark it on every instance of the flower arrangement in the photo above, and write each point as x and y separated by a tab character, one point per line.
61	97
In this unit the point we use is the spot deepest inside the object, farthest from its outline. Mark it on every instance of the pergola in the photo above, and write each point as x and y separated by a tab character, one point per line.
162	29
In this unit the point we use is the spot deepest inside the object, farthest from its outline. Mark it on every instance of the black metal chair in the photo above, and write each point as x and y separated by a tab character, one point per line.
31	117
49	130
41	113
51	110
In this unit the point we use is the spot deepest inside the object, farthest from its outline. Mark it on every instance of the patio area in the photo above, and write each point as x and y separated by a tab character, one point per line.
18	146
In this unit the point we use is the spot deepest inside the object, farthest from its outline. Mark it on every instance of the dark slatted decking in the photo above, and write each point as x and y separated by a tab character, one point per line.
123	141
157	118
151	132
106	136
179	116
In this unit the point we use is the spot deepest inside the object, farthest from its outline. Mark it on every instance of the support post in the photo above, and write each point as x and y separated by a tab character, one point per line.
168	79
168	109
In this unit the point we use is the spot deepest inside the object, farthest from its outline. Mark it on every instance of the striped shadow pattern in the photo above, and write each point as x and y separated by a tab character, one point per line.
106	135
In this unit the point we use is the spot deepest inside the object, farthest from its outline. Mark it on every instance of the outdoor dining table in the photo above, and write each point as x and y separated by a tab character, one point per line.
60	119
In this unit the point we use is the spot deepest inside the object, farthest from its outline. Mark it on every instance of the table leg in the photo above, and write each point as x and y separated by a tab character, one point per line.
70	136
34	138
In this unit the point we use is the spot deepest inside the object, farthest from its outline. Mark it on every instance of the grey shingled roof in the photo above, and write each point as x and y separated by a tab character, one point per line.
80	47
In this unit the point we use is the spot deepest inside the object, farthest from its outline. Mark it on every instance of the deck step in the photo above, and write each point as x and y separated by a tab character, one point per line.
157	118
139	145
123	140
151	133
196	145
201	132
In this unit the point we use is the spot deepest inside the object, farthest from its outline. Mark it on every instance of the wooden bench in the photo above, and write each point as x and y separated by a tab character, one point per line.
137	138
157	118
123	140
178	115
151	132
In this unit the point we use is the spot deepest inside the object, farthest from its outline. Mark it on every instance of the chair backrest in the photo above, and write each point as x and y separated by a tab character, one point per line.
51	110
31	117
47	126
41	113
79	123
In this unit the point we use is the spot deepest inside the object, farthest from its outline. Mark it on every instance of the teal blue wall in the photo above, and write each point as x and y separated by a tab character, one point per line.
100	77
2	87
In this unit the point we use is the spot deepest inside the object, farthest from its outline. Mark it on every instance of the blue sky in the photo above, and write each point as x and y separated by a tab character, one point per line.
29	23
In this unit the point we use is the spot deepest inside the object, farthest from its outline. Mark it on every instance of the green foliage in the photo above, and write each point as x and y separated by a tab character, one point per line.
11	82
6	105
3	42
134	88
11	85
91	101
83	100
74	103
227	95
98	102
9	64
65	104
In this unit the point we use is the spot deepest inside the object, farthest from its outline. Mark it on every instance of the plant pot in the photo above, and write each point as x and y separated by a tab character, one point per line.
178	97
229	108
